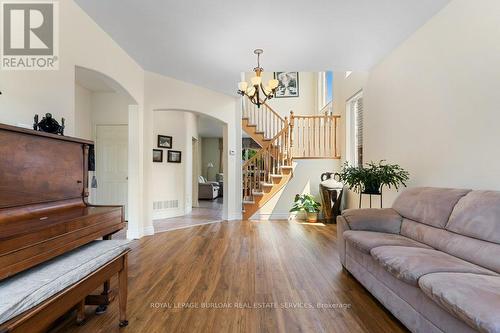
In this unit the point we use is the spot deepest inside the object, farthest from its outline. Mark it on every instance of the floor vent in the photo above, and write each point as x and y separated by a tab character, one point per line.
169	204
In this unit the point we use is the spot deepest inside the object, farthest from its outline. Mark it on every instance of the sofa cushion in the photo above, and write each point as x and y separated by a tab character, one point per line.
428	205
367	240
479	252
371	219
477	215
410	263
472	298
26	290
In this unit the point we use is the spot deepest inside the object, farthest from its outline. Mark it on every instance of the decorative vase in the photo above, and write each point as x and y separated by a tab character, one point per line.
312	217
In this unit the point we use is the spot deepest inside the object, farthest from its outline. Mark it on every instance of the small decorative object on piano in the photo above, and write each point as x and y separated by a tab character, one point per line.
49	125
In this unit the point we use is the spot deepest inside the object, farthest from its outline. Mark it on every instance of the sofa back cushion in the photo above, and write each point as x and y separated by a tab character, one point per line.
429	205
477	215
479	252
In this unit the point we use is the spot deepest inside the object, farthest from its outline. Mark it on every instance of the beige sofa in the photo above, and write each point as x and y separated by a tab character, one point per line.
433	259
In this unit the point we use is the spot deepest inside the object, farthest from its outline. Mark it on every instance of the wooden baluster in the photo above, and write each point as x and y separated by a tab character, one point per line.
314	135
285	143
308	136
257	110
273	125
292	124
335	137
330	150
269	130
325	120
302	146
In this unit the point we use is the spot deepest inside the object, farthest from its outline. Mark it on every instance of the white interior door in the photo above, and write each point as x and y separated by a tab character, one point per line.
111	149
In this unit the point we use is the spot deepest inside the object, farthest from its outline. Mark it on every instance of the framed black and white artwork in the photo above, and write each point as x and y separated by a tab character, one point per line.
174	156
288	84
164	141
157	155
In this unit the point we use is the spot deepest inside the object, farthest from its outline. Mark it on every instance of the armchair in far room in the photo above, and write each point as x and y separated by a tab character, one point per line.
207	190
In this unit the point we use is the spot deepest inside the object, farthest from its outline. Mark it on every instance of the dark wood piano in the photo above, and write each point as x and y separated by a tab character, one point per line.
44	213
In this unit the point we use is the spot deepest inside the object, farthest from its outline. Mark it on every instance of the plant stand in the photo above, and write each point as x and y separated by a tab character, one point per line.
370	194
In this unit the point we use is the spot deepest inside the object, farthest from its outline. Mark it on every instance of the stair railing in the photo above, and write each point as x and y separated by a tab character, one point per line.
314	137
268	121
259	170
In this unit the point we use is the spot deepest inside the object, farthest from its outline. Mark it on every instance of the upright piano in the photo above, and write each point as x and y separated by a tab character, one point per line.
44	211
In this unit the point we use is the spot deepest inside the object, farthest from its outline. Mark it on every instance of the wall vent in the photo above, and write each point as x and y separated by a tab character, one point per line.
169	204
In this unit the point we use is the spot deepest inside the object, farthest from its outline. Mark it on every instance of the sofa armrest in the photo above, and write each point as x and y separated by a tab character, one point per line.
372	219
341	245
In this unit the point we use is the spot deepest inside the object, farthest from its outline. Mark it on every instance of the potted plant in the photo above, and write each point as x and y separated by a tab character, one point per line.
371	178
306	203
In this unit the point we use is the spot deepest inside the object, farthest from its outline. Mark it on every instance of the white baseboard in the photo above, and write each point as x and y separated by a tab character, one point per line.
149	231
168	213
233	216
133	234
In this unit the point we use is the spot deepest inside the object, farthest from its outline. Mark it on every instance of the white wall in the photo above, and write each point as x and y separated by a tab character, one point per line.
432	104
172	181
109	109
83	113
98	108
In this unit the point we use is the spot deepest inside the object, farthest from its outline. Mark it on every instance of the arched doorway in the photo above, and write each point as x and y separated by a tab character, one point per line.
107	114
189	192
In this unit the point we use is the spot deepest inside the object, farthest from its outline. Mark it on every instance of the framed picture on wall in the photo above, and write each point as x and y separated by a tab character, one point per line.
288	84
174	156
164	141
157	155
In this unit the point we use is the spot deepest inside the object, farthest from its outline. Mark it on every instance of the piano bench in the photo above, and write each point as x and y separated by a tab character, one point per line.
32	300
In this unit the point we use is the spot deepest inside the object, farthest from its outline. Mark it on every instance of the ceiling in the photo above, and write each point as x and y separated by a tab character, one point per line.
210	43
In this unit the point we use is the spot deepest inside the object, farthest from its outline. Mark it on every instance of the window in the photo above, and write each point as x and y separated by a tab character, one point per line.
328	87
354	112
325	92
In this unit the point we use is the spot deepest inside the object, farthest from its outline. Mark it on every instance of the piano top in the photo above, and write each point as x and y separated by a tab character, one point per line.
28	131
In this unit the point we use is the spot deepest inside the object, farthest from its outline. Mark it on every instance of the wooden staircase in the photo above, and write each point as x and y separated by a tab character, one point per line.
281	140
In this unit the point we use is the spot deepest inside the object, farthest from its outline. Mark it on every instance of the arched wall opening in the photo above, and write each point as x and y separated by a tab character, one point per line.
176	186
106	113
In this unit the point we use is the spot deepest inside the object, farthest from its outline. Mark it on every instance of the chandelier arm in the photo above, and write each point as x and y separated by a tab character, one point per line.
264	91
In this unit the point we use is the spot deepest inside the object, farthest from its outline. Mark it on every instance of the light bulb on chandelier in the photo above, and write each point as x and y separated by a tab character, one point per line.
255	89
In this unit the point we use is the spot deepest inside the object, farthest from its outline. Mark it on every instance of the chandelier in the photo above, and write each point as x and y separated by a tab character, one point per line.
256	88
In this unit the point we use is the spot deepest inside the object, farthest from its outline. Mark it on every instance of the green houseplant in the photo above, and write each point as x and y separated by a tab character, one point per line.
306	203
371	178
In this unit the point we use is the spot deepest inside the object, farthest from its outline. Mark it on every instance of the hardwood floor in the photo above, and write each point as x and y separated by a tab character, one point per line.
257	276
208	211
